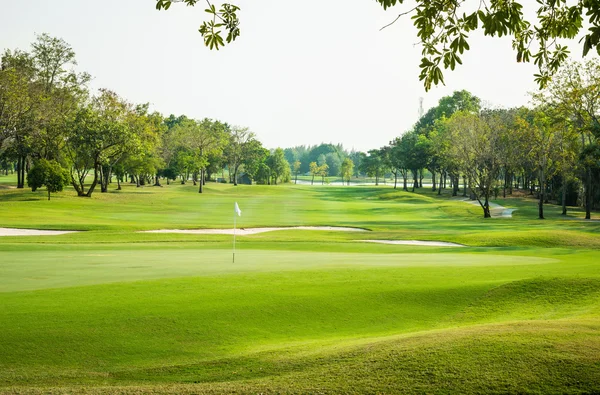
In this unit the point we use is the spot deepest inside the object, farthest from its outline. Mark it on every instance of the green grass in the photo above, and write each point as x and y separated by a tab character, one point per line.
110	310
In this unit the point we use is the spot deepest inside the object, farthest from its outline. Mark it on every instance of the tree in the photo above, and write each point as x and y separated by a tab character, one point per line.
475	148
297	165
347	170
373	165
398	157
443	28
314	171
15	109
96	139
280	168
238	149
323	172
49	174
542	130
200	139
575	93
254	157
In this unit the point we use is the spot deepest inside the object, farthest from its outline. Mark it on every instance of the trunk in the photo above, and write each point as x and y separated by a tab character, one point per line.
486	208
564	196
118	183
421	178
464	186
137	181
313	180
48	193
94	183
376	178
504	188
203	177
433	180
454	185
21	172
395	180
588	195
157	181
405	177
104	178
201	182
18	172
415	180
510	181
296	180
76	185
348	181
235	176
541	202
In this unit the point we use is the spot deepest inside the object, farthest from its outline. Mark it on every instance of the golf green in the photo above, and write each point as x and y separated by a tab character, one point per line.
110	309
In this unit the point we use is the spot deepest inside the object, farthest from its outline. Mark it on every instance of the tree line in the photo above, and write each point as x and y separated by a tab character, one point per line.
54	132
550	149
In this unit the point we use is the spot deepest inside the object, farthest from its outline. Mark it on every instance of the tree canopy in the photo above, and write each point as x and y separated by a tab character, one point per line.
444	26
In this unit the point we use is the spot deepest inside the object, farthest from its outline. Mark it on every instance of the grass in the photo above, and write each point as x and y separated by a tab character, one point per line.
110	310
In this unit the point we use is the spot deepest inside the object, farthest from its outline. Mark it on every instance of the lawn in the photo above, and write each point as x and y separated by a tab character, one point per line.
113	310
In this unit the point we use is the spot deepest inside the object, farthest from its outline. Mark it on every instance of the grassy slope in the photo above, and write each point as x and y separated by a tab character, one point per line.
299	311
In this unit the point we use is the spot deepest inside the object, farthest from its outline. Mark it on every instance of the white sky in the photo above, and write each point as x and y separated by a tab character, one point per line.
303	72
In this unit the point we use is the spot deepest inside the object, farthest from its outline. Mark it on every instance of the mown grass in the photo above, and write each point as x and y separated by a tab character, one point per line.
110	310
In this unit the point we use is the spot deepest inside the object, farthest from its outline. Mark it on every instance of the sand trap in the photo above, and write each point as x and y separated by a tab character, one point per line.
415	243
252	231
496	210
33	232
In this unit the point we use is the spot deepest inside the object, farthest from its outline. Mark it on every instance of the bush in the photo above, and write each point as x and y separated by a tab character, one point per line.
48	173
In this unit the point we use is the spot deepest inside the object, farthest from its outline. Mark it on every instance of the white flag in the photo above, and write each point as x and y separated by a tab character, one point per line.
237	210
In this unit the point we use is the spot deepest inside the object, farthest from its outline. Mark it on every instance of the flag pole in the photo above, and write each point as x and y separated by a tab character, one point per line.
234	226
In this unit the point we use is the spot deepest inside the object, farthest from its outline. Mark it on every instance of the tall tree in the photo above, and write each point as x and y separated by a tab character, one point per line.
237	149
475	147
575	92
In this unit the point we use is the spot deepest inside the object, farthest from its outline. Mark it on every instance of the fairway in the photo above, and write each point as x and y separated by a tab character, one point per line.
116	310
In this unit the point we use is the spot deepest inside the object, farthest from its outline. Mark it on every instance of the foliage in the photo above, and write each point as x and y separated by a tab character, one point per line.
49	174
443	28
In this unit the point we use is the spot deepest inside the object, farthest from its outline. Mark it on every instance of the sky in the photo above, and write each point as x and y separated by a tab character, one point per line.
302	72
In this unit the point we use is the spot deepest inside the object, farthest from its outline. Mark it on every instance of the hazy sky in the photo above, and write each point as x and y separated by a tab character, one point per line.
303	72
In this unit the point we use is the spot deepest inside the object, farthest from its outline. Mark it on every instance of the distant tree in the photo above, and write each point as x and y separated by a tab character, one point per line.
280	168
334	162
373	165
347	170
297	165
253	158
314	171
48	173
237	149
323	172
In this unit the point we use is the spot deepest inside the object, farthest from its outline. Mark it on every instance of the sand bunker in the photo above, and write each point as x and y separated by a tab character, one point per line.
415	243
32	232
252	231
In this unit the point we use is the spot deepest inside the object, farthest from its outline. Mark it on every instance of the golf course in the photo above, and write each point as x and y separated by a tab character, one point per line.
112	308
